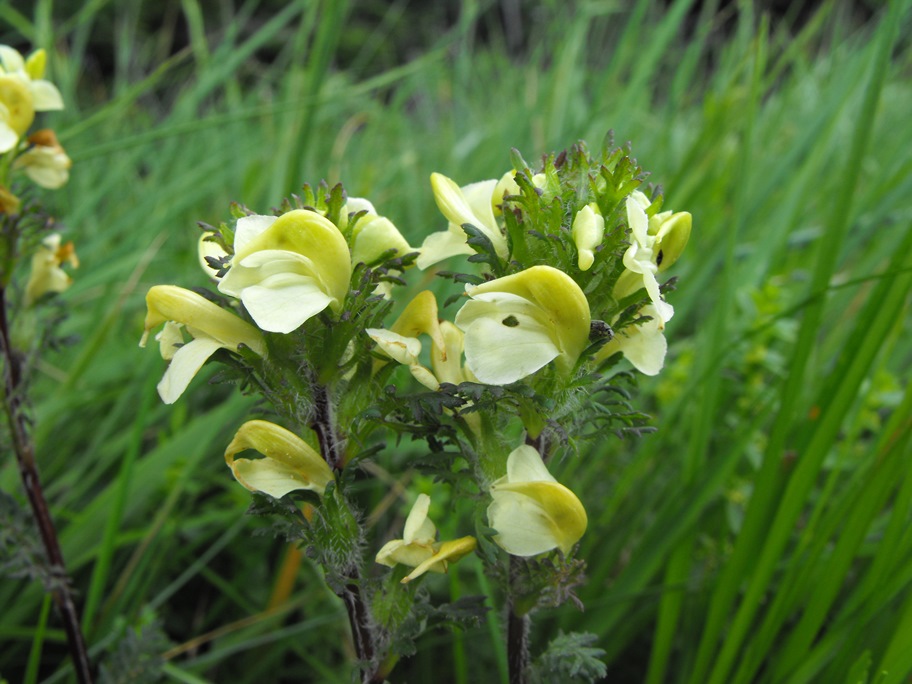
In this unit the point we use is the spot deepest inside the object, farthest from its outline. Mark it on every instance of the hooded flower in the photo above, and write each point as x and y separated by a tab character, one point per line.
401	341
657	243
472	204
22	93
289	463
643	345
418	547
372	234
531	511
287	269
588	230
210	327
45	162
517	324
46	275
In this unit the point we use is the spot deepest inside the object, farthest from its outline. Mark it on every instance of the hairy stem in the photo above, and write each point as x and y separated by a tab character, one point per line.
517	634
13	390
358	618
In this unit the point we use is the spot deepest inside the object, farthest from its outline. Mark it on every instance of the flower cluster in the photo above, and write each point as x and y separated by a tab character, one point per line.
23	92
37	155
572	255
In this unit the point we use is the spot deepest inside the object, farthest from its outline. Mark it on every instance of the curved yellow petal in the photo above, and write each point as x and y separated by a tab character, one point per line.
172	303
289	464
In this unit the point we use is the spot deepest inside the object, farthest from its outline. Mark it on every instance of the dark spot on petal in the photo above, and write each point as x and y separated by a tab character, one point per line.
659	258
510	321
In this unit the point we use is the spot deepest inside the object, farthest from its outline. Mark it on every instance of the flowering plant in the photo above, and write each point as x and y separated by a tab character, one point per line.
560	283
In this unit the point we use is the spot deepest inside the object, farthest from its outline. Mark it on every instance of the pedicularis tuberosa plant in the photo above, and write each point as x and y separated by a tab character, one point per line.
556	278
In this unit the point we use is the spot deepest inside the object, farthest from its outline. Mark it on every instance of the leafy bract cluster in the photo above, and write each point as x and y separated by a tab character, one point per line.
560	281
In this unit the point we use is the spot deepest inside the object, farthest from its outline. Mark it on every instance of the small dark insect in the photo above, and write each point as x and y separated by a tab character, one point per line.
510	321
659	258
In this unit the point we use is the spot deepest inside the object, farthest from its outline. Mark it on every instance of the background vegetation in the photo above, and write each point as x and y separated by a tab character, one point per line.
762	533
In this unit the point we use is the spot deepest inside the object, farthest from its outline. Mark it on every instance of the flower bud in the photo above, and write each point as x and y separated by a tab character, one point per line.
588	230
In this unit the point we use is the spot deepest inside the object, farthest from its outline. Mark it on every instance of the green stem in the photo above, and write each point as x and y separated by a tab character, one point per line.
13	391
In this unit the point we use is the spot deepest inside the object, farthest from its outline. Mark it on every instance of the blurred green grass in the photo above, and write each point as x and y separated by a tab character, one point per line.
761	534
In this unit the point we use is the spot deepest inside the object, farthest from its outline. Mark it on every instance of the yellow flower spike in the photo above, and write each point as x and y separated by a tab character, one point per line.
47	276
211	327
473	204
287	269
588	231
531	511
517	324
45	162
643	345
289	463
418	548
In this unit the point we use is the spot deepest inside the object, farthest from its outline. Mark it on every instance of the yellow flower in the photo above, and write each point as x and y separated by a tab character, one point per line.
531	511
643	345
656	244
401	341
210	327
289	463
418	547
288	269
373	234
46	275
45	162
517	324
470	204
22	93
